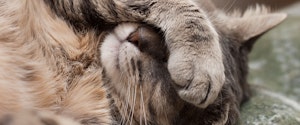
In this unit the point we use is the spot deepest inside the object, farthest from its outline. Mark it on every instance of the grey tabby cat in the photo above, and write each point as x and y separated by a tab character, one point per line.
150	95
176	79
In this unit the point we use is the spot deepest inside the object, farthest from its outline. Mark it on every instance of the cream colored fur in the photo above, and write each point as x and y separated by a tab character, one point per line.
39	55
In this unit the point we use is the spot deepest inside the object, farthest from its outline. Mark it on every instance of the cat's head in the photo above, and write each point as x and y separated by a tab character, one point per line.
134	58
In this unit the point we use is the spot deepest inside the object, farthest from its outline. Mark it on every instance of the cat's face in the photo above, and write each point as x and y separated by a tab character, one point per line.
134	58
125	50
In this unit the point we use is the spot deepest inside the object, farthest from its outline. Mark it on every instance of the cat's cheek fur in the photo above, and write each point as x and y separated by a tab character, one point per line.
112	46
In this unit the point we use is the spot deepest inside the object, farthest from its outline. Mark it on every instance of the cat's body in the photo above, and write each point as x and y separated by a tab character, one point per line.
46	66
50	61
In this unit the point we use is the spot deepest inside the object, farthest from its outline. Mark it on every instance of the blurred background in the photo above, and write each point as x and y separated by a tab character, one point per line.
274	67
243	4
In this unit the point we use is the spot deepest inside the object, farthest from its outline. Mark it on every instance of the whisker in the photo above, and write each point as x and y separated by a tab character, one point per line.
230	6
128	100
226	5
143	106
134	102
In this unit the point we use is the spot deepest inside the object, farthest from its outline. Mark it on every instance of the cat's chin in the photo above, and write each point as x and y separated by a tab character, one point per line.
116	50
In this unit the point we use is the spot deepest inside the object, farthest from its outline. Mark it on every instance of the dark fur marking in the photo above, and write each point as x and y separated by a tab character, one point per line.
112	6
208	91
152	4
30	75
141	9
193	15
195	23
133	66
188	11
106	80
94	18
48	121
140	72
89	121
72	6
200	38
152	114
87	18
153	44
6	120
185	7
194	11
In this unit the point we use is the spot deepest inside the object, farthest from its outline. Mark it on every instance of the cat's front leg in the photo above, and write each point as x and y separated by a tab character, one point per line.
195	61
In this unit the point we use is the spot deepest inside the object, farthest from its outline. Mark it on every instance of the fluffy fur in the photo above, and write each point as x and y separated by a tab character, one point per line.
51	62
46	66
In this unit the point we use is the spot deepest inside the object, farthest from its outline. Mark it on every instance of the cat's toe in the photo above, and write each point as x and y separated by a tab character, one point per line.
202	91
196	94
197	83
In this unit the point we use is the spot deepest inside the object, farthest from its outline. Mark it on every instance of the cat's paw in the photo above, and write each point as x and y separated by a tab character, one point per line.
199	77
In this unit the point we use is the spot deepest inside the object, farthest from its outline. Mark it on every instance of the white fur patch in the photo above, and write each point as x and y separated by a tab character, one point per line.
110	49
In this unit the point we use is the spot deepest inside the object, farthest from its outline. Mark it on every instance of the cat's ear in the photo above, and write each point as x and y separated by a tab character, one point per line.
250	27
247	29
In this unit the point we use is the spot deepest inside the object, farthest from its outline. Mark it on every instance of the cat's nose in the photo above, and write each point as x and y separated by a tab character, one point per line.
134	38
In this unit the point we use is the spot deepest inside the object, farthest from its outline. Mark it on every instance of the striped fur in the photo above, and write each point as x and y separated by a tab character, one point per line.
45	65
59	57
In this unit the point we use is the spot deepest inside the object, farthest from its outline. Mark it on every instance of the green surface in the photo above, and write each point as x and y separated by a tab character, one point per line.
275	77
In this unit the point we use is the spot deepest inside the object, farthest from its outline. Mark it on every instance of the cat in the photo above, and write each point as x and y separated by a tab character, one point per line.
54	46
59	69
